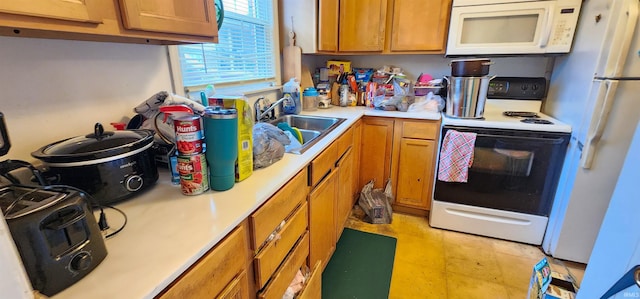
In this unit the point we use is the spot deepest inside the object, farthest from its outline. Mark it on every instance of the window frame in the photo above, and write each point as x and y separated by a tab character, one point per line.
238	87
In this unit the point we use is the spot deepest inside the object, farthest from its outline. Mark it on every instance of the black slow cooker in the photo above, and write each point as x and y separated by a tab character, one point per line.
110	166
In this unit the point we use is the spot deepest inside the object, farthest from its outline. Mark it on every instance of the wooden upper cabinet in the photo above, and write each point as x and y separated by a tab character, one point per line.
68	10
419	25
193	17
328	13
362	25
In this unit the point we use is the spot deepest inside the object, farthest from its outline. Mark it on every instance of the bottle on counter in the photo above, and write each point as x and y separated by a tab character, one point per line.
291	92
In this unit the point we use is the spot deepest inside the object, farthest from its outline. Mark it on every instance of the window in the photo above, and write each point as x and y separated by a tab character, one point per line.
244	53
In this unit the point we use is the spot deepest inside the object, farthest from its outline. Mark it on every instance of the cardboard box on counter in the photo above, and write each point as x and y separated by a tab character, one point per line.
551	280
336	67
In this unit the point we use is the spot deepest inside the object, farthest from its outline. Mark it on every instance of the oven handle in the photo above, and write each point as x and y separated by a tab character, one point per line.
558	140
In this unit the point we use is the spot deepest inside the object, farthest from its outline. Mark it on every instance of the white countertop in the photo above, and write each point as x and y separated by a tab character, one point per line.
167	232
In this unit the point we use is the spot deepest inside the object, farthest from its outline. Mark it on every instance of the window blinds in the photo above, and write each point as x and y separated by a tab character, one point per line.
244	52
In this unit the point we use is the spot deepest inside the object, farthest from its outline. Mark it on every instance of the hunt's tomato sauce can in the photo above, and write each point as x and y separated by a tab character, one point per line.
194	178
189	135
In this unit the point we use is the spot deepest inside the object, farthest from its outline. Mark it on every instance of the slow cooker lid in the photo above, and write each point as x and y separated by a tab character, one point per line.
98	144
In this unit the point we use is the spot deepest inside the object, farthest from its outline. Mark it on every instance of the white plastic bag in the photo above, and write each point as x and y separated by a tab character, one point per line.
430	102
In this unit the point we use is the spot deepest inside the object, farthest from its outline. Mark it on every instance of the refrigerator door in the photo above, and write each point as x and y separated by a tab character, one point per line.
621	32
580	207
617	248
605	97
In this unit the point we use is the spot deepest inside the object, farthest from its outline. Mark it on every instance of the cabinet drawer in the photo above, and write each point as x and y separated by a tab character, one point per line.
270	257
322	164
237	288
287	271
344	142
211	274
420	129
313	288
267	218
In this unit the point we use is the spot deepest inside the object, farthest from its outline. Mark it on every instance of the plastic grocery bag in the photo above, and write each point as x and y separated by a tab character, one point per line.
431	103
268	144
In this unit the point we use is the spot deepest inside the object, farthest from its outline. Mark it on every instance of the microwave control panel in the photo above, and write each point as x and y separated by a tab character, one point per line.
522	88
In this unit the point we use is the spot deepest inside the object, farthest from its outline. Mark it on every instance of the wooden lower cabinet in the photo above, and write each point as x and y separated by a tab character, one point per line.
355	150
322	221
344	197
218	273
415	177
375	156
237	288
413	164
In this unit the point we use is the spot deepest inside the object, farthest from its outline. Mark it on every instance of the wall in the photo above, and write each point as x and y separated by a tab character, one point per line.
55	89
436	65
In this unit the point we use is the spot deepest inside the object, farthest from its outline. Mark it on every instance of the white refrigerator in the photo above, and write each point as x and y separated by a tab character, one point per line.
595	89
617	249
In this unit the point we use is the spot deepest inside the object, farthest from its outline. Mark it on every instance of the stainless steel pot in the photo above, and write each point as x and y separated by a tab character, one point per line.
466	96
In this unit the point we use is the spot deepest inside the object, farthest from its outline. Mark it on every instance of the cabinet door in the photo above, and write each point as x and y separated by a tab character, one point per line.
237	288
362	25
79	10
321	221
193	17
415	174
375	158
344	199
328	25
419	25
356	149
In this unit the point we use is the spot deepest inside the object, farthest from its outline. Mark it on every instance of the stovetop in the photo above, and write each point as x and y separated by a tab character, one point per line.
494	117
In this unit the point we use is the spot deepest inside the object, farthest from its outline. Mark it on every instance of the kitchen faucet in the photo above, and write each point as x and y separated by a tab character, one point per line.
262	114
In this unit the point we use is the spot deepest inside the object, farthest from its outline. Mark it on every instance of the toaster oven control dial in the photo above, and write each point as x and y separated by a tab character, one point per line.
80	262
133	183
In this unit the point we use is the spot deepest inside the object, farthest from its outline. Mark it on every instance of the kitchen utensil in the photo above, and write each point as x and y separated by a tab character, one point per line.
307	81
110	166
470	67
291	60
466	96
56	234
221	136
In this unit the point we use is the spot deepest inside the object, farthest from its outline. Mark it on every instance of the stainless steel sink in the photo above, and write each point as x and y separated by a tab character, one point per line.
313	128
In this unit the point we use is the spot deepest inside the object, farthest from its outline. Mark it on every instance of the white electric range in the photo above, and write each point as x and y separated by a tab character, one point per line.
516	166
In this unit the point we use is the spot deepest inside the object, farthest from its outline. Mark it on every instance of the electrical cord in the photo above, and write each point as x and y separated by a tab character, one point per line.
123	224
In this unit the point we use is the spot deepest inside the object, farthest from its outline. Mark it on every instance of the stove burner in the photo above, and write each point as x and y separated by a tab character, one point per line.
520	114
536	121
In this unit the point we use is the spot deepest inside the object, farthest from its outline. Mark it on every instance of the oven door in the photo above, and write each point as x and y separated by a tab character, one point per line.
512	170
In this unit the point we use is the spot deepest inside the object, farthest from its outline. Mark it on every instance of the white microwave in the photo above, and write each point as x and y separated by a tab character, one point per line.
504	27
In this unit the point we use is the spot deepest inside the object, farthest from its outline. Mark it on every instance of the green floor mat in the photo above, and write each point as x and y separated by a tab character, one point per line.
360	267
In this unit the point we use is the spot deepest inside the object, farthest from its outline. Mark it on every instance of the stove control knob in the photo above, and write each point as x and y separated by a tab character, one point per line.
133	183
534	87
524	87
80	262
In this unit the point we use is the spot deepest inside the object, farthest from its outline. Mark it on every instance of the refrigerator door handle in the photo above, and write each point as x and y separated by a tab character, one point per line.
598	124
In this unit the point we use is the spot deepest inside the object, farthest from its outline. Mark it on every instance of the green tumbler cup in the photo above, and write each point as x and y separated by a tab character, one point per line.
221	137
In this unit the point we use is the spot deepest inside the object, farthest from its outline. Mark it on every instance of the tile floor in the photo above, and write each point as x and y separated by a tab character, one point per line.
436	263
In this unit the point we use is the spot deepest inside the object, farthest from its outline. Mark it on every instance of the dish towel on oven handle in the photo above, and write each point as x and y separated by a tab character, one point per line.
456	156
